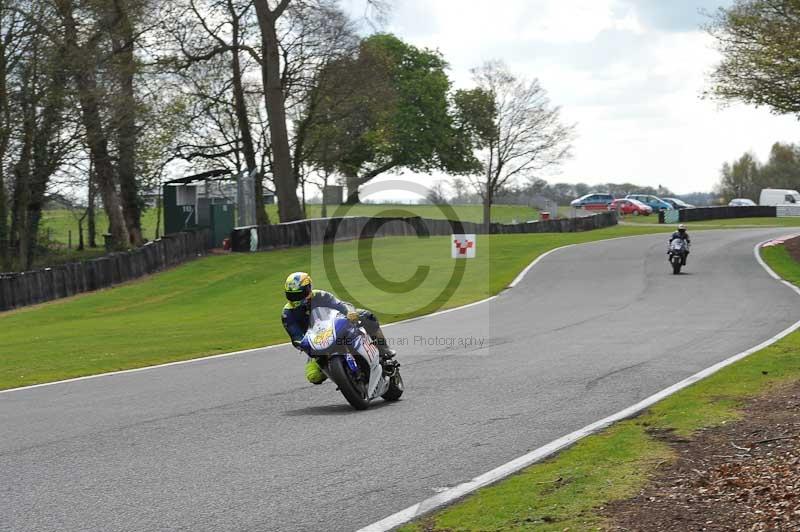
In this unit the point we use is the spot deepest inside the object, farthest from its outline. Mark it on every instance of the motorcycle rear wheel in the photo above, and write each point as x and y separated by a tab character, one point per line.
354	391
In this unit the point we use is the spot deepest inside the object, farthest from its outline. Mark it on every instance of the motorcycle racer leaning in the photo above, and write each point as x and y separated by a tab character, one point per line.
302	299
683	235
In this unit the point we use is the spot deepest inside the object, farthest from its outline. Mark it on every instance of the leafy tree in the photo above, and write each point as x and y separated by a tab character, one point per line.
746	177
760	50
740	179
387	108
38	130
782	170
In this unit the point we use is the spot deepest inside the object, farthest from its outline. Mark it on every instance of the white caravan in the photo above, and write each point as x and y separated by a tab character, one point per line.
779	196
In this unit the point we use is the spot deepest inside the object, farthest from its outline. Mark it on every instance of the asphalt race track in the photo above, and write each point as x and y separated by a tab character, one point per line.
243	443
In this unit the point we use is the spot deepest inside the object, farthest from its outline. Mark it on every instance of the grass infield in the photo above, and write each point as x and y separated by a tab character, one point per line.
569	490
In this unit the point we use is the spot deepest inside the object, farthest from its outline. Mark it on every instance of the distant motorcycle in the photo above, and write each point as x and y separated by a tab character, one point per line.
676	254
347	355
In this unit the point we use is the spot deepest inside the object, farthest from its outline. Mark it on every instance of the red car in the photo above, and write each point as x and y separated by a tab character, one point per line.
630	206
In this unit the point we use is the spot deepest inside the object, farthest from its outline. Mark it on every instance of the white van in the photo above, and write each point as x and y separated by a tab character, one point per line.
779	196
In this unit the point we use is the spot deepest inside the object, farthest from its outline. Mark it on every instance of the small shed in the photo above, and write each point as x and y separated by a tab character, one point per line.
205	200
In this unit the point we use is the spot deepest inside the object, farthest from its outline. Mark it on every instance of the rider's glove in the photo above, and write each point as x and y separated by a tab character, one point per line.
296	344
352	315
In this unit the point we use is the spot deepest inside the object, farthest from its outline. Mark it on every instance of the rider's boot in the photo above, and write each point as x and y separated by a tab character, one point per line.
387	353
314	373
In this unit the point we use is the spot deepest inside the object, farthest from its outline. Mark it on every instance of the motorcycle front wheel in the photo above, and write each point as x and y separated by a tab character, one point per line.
676	266
354	391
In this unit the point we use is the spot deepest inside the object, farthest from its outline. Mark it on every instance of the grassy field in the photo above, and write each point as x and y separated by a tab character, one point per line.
231	302
58	223
465	213
617	462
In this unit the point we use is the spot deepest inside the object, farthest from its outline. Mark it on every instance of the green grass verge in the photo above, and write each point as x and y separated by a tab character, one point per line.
230	302
616	463
782	263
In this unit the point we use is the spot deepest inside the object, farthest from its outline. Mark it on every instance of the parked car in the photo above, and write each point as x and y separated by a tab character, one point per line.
678	203
779	196
630	206
594	201
657	204
741	202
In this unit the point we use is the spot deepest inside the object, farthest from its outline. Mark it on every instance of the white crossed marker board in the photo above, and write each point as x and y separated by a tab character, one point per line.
463	246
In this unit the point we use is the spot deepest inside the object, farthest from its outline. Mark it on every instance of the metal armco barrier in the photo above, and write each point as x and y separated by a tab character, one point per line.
326	230
718	213
19	290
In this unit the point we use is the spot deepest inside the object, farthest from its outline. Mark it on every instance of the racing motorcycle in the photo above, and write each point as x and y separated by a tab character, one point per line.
349	357
676	254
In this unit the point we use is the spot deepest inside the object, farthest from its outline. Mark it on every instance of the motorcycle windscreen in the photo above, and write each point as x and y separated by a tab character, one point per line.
322	333
321	336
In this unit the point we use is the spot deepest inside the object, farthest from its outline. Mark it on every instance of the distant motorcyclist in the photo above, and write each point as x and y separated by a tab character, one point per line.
682	234
296	317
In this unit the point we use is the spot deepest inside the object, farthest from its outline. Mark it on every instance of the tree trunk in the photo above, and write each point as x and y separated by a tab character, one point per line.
80	232
303	198
487	210
240	106
83	70
285	185
352	183
4	263
19	207
91	226
4	134
22	174
125	122
324	213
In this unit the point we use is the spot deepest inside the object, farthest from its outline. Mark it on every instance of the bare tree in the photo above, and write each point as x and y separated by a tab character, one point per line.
525	136
437	194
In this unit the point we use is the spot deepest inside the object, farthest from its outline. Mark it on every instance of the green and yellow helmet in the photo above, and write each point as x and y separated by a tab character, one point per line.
297	288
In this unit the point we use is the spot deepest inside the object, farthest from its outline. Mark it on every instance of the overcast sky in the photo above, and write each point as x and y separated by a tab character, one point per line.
628	73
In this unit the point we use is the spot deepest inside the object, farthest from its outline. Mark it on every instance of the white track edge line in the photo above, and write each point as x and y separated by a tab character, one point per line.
143	368
452	494
271	346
